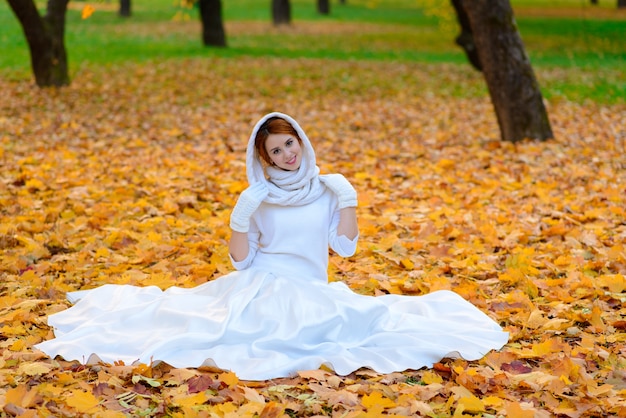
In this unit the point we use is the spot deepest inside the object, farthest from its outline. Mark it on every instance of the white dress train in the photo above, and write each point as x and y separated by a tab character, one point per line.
276	315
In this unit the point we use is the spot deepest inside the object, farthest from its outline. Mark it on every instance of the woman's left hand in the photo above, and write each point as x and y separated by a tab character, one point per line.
346	194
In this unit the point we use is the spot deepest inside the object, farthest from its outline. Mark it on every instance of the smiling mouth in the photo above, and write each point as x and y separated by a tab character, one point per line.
292	161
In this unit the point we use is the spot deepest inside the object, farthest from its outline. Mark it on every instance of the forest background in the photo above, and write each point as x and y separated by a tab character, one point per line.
129	174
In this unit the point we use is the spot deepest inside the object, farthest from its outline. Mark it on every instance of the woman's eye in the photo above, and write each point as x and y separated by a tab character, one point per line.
289	142
276	151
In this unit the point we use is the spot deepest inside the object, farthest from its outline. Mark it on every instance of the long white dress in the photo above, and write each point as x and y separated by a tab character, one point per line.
277	314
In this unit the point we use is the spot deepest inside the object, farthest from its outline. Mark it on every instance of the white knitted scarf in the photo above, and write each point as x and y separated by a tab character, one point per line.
286	188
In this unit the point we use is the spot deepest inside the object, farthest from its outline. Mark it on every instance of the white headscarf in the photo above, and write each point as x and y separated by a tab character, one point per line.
286	188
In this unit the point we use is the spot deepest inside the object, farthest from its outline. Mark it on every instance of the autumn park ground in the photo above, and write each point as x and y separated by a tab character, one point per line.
129	175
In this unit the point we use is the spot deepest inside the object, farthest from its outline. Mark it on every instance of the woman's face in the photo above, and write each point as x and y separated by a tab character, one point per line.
284	151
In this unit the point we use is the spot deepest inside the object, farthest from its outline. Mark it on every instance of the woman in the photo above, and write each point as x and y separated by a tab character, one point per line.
277	314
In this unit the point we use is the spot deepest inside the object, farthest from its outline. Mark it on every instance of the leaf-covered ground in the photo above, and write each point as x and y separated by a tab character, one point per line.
129	175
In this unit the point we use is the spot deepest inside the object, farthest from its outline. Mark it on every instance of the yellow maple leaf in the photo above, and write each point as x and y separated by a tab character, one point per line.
430	377
82	401
546	347
50	390
34	368
35	249
102	252
595	390
470	404
18	345
250	410
515	410
229	378
87	11
196	399
596	318
16	395
34	184
407	264
143	370
445	163
252	395
376	398
186	412
616	283
225	409
493	401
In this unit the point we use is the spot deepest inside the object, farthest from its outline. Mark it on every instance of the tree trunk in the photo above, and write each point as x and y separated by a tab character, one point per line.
621	4
125	8
466	39
45	37
213	33
281	12
323	7
513	88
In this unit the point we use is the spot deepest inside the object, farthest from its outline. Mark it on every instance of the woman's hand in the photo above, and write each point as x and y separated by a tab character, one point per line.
342	188
346	196
248	202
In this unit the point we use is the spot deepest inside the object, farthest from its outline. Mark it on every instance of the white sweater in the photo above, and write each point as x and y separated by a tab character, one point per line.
294	240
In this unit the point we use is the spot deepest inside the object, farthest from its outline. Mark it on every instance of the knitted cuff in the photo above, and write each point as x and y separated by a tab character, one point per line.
350	202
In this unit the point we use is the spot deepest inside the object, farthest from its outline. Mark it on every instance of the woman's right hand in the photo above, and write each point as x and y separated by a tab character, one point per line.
248	202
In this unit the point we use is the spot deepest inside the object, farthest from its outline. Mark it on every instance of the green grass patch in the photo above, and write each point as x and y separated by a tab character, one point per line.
558	34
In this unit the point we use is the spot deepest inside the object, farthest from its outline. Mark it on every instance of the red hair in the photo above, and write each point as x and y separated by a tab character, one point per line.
274	125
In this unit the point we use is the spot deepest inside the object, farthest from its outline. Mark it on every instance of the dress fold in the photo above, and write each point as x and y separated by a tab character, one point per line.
263	326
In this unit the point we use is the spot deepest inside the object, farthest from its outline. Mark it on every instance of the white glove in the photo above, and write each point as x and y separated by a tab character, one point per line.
248	202
342	188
